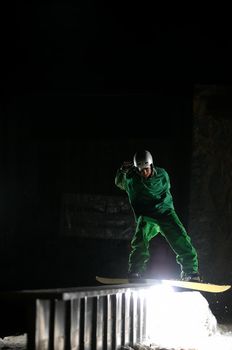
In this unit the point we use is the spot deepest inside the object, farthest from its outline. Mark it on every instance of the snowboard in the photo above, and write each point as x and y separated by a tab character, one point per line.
196	286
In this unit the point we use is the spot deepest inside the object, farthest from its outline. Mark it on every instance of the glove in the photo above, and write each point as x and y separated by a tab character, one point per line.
126	166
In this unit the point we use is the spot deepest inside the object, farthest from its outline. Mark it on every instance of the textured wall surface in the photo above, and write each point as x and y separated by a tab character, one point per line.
210	215
97	216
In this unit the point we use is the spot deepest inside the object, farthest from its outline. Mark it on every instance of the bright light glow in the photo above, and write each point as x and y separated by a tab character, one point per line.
182	320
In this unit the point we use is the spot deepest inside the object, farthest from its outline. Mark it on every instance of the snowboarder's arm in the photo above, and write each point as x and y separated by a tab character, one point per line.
120	178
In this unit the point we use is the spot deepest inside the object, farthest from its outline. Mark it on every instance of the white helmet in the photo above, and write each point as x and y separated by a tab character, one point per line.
143	159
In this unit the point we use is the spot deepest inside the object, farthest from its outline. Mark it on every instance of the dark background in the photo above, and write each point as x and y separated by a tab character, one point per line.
64	45
83	86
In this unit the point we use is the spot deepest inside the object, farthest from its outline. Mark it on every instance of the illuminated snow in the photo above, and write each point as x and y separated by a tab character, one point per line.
182	321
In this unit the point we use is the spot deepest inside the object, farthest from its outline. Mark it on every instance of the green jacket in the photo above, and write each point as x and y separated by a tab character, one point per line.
148	197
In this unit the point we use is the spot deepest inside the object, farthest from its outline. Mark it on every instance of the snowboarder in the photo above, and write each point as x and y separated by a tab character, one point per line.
148	190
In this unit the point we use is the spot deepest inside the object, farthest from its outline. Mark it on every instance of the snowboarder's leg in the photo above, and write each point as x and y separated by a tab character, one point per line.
146	229
175	234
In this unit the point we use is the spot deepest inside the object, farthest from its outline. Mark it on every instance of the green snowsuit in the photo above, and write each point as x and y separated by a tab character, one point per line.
154	212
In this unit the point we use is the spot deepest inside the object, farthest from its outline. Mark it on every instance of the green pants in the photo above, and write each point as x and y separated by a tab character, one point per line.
169	225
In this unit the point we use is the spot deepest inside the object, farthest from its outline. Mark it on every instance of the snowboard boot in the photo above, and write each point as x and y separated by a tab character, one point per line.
134	277
191	277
